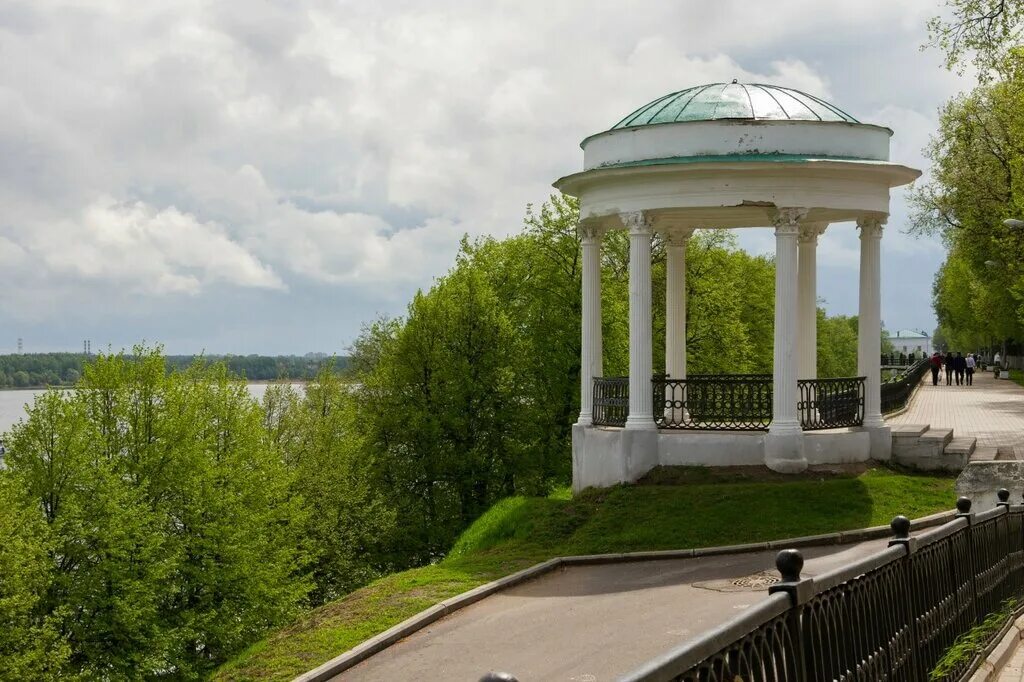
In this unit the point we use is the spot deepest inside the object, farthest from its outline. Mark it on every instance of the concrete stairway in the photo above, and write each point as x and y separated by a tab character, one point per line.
919	446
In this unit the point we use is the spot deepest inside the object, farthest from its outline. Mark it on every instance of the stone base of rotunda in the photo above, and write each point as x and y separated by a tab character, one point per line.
784	451
881	442
606	456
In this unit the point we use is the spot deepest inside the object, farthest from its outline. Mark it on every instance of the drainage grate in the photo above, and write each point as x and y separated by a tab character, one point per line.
758	580
748	583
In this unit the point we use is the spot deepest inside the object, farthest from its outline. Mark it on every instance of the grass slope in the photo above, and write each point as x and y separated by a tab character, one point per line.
710	509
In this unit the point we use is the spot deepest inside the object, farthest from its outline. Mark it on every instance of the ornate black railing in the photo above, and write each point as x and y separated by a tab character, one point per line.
889	616
734	402
830	403
897	391
714	403
611	401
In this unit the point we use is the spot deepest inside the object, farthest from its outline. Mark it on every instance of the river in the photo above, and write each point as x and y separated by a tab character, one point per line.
12	403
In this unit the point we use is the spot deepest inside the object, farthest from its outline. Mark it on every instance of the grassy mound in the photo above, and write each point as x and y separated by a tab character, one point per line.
710	508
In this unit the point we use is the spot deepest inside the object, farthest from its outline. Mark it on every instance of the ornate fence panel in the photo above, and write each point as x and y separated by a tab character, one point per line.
940	600
830	403
763	645
889	616
737	402
989	550
743	402
850	630
611	401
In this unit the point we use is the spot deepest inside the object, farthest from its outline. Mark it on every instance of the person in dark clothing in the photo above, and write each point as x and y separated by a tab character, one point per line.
959	367
948	363
936	364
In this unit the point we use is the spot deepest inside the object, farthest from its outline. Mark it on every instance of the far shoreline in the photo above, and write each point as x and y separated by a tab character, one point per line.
255	382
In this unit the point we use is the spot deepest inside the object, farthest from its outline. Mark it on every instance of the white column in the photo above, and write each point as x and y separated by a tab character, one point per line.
869	320
784	393
641	354
807	301
675	302
675	317
591	364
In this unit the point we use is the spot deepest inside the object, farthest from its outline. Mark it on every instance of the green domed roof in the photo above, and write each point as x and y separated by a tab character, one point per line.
745	101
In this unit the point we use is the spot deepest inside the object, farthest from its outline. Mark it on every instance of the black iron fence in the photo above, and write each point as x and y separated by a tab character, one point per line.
897	391
901	359
611	401
830	403
739	402
889	616
734	402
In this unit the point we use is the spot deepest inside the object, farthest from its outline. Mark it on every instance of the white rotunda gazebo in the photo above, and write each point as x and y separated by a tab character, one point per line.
720	156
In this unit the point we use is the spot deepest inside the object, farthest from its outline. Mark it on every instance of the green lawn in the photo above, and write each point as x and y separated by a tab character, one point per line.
707	509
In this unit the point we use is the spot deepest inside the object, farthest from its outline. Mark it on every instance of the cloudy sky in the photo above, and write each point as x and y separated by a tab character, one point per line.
264	176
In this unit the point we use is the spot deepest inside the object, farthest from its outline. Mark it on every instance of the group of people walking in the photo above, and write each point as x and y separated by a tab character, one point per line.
956	366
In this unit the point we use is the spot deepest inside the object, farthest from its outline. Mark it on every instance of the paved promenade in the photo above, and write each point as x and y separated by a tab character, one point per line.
1014	669
992	410
590	623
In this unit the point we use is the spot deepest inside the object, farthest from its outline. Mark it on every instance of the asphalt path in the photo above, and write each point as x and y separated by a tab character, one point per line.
590	623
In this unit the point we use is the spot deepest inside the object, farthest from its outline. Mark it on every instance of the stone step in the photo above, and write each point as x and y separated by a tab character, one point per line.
963	445
985	453
941	435
1007	453
909	430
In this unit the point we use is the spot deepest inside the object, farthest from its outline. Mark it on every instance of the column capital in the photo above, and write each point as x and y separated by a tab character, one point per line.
638	222
809	232
590	233
871	225
787	220
677	236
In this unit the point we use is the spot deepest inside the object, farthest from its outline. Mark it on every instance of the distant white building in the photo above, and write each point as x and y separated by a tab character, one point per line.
911	341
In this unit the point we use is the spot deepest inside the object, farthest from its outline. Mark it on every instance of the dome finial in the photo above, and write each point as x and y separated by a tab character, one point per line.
734	81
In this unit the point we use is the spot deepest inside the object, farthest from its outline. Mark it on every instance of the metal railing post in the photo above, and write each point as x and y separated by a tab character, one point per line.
901	536
789	563
963	511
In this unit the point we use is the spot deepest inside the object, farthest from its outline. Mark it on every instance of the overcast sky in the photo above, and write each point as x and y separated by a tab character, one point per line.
264	177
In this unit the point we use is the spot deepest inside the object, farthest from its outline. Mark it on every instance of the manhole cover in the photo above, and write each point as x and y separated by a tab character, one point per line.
757	581
748	583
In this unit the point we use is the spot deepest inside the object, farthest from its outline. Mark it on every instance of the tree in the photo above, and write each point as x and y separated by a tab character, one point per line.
440	413
172	529
981	31
976	184
837	345
350	523
31	647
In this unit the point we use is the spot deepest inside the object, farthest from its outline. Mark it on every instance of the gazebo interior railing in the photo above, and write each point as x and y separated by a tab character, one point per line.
739	402
736	402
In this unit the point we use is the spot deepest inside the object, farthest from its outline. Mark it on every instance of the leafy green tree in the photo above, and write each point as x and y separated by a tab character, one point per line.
536	278
837	345
978	32
31	647
172	527
350	522
440	413
976	183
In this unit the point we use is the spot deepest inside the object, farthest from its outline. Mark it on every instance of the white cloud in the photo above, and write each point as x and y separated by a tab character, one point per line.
345	147
149	251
